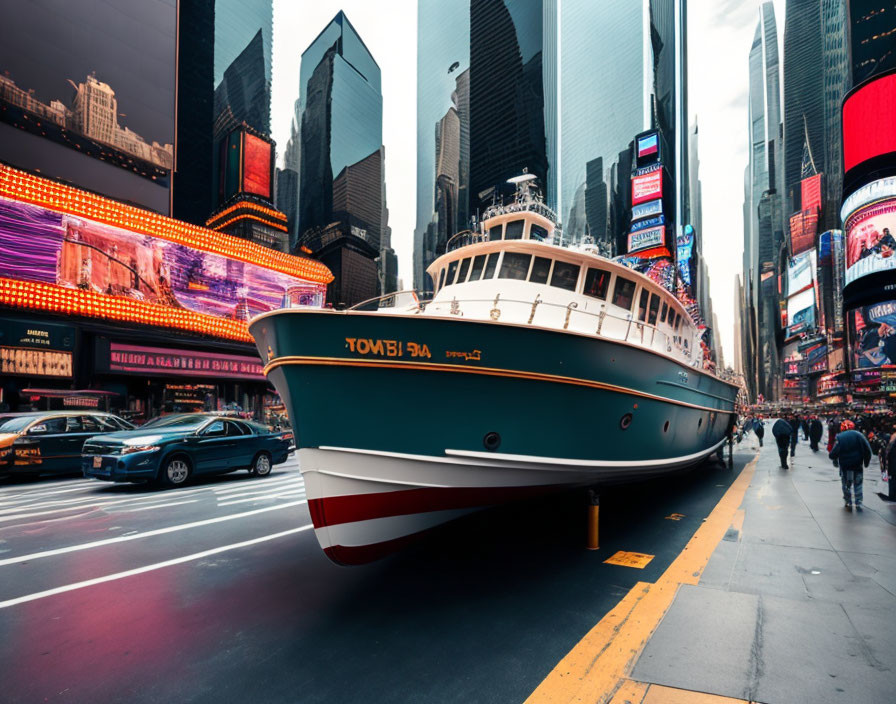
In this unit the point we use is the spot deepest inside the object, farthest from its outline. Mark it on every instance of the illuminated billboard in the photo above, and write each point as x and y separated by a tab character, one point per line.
648	209
42	245
647	186
810	192
257	166
801	312
873	334
87	94
870	243
803	229
801	273
869	121
646	239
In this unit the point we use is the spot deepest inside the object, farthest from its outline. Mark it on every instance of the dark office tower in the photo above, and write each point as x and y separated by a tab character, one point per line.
341	185
872	42
596	200
507	97
620	210
285	198
804	115
836	85
224	80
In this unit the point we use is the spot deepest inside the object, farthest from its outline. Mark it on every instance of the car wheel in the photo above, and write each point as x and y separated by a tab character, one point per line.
262	466
175	471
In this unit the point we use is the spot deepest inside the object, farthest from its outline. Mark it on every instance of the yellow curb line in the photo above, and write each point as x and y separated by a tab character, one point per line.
596	667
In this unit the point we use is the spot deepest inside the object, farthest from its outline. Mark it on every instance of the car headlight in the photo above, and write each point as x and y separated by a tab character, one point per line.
139	448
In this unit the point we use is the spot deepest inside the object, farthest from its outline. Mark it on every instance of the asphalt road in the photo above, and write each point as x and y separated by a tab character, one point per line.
218	592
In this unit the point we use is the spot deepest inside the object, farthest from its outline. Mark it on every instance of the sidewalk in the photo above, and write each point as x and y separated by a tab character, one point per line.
796	604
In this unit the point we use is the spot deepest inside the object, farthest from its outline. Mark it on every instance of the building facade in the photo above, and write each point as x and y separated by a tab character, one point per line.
872	44
341	192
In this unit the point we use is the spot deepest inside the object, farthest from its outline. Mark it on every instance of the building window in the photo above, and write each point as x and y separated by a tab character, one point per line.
565	276
515	266
597	281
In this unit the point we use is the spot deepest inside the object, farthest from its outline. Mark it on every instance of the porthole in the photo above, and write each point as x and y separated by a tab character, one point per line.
666	427
625	421
491	441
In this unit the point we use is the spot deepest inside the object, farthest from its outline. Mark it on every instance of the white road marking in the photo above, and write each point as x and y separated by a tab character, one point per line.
150	508
249	485
148	568
263	497
17	498
146	534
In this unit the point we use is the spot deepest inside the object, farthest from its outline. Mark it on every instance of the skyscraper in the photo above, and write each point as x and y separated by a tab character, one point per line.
804	97
341	208
835	39
763	233
872	44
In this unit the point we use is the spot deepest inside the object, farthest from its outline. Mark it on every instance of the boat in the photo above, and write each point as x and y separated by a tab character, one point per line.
535	367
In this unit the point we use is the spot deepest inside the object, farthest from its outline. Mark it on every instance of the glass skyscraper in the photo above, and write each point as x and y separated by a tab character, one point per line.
872	28
341	210
836	84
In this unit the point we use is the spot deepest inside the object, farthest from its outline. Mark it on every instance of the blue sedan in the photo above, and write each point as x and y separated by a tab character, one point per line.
171	449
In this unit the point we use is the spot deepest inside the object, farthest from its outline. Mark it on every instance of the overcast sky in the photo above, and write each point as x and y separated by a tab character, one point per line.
719	37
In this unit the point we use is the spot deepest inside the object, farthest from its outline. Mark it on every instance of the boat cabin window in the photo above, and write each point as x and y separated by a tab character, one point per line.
565	276
514	230
476	271
442	277
541	268
537	232
464	268
642	304
597	281
494	232
663	313
515	266
654	309
452	270
490	265
623	293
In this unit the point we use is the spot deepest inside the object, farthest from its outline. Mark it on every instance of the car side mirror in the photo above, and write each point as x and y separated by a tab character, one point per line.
38	429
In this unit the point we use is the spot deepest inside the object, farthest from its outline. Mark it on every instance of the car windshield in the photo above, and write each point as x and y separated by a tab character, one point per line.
181	422
13	424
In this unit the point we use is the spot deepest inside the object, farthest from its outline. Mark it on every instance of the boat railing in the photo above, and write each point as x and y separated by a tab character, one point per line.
387	300
639	332
465	239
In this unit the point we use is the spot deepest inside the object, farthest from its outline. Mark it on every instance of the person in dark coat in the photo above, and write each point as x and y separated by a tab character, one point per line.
759	429
853	452
782	432
833	429
804	426
888	463
794	433
816	430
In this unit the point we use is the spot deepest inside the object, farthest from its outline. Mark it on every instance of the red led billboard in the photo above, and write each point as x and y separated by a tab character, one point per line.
810	189
647	186
869	121
257	167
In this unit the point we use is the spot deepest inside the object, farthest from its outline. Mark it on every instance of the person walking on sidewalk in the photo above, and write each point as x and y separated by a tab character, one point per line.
816	430
853	452
782	432
833	429
888	465
794	423
759	428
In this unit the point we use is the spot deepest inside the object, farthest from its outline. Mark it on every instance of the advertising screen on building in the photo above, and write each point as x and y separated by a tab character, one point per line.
801	312
801	273
87	94
869	121
73	252
646	239
803	228
871	240
648	209
810	192
873	335
257	166
648	186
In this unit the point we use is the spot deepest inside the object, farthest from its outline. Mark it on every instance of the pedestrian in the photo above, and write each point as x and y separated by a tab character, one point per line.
794	433
853	452
804	426
816	430
888	466
759	429
833	429
782	431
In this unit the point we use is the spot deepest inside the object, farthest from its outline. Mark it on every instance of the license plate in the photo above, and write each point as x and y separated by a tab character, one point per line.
97	462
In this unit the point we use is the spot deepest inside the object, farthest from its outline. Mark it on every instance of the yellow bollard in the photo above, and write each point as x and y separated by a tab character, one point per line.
593	519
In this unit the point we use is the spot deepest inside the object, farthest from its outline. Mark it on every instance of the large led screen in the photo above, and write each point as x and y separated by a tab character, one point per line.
869	121
801	273
873	334
648	186
871	240
257	166
87	93
41	245
801	312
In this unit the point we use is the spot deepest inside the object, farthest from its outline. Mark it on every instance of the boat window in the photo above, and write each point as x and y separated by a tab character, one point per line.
464	268
597	281
442	278
623	293
514	230
565	275
452	270
494	232
515	266
663	314
490	265
537	232
540	270
642	304
654	309
476	271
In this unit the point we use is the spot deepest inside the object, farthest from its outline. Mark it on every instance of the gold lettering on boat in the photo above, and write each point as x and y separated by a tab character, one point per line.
387	348
474	356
